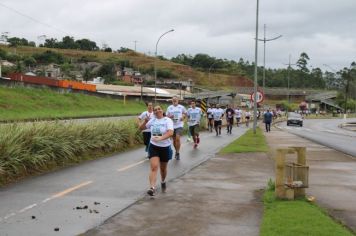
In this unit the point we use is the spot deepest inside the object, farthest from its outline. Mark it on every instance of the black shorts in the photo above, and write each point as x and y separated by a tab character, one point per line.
194	129
230	120
217	123
178	131
146	137
164	153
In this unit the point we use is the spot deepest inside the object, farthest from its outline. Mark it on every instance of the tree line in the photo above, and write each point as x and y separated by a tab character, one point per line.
302	75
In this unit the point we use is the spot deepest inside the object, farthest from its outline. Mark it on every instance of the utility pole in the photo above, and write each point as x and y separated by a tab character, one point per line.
288	78
135	44
264	40
255	76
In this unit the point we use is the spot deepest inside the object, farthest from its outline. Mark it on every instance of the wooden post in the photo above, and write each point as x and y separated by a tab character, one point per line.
124	99
280	165
301	159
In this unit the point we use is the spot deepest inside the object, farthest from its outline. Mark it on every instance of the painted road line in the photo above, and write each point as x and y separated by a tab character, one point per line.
27	208
57	195
69	190
9	215
132	165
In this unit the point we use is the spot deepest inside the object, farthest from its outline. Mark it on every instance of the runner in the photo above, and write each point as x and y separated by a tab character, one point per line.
194	115
238	113
218	114
247	117
147	132
229	118
177	113
210	117
159	150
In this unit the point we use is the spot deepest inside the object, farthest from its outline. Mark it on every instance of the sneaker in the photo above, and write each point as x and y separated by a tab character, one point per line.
177	156
151	192
163	187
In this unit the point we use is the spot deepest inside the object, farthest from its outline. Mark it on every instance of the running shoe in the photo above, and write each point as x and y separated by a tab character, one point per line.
163	186
177	156
151	192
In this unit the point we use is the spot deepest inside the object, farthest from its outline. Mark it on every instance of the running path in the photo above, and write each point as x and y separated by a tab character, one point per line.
219	197
39	205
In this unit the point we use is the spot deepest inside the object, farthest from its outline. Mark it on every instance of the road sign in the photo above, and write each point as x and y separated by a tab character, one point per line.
260	97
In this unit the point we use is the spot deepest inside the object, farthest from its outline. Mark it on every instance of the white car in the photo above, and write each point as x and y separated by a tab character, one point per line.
294	119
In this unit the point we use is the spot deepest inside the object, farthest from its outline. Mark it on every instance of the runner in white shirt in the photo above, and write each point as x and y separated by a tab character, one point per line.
238	114
247	117
218	114
147	132
177	113
159	151
194	115
210	117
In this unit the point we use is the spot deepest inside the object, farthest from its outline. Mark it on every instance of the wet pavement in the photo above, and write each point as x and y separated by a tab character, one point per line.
219	197
222	196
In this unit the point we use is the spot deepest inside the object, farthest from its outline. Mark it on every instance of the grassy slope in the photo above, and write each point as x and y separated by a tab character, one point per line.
141	61
24	103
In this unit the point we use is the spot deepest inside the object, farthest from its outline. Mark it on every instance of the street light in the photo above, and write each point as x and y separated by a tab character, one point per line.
210	70
264	52
255	76
155	62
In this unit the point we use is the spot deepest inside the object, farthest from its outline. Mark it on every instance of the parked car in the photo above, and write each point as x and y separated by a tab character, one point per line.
294	119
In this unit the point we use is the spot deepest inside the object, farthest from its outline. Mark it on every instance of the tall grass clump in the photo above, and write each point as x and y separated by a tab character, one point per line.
31	148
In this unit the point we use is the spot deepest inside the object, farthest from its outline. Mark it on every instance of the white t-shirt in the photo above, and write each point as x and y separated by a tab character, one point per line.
247	114
143	116
177	113
159	127
238	113
218	113
210	112
194	116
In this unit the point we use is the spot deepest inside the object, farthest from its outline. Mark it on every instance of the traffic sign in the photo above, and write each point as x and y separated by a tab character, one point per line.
260	97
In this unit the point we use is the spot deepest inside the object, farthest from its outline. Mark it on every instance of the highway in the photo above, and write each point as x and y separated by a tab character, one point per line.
326	132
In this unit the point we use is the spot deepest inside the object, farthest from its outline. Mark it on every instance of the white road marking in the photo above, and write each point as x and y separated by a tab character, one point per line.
57	195
27	208
132	165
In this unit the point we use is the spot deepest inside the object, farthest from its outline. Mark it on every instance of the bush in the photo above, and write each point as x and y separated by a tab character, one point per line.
36	147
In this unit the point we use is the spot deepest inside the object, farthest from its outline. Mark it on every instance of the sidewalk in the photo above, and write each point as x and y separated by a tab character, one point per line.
332	175
219	197
222	197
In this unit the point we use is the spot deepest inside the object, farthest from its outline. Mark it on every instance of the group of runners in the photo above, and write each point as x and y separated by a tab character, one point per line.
162	129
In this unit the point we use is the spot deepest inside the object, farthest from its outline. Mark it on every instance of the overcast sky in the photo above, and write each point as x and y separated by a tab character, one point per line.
324	29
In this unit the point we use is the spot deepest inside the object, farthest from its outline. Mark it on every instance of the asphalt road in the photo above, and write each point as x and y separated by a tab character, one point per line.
53	201
326	132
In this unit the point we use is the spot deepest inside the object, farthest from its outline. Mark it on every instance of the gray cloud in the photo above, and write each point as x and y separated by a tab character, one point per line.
223	29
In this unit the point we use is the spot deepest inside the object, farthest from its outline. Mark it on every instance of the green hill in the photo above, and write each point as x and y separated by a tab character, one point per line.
21	103
140	62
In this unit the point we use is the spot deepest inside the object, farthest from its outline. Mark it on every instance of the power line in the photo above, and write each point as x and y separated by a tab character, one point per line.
33	19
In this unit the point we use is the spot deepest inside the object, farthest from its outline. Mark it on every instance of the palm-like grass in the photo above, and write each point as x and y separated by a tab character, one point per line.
28	148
